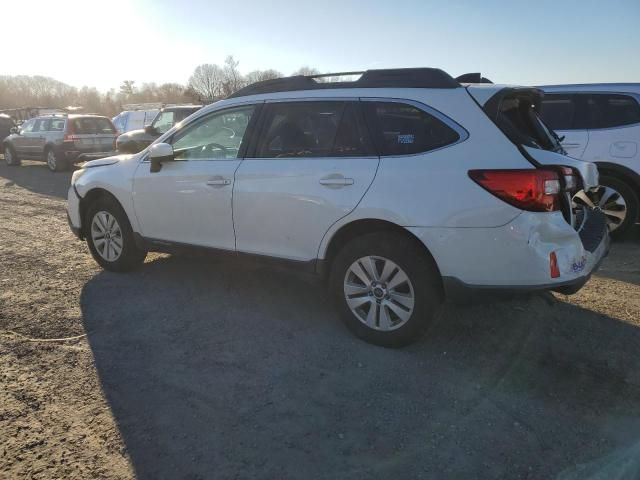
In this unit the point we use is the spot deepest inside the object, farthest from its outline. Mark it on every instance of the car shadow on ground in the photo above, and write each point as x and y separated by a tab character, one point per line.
218	371
626	266
35	176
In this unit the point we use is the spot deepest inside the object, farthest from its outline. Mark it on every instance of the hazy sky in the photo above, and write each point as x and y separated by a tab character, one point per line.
102	42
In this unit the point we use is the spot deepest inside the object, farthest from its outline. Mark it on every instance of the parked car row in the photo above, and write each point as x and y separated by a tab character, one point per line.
62	140
402	189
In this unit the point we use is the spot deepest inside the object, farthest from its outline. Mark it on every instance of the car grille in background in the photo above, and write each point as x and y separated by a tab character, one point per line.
593	229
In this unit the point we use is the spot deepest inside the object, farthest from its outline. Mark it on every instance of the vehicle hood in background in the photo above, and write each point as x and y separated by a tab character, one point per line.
137	136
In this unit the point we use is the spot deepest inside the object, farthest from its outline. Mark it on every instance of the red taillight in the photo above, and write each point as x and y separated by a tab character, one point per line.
69	133
553	265
534	190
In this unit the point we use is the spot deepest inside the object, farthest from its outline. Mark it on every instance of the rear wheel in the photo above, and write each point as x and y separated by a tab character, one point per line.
618	202
387	289
110	236
10	156
54	163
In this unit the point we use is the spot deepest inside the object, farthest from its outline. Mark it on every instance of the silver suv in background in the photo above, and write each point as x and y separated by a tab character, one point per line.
61	140
600	123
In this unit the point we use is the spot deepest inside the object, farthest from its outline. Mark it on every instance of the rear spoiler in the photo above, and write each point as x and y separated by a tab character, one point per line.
472	78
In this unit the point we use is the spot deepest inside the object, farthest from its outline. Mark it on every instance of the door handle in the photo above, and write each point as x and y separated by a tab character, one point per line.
219	182
335	181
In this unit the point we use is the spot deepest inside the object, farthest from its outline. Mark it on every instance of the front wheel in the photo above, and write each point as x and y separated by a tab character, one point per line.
110	237
10	156
387	288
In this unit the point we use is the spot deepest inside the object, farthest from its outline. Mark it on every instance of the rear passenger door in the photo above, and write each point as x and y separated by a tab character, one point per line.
310	165
614	128
565	114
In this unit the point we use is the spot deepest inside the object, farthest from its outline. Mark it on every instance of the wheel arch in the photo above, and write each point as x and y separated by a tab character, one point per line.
363	226
90	197
622	173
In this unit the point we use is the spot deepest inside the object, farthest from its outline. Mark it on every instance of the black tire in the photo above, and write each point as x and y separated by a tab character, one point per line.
418	266
631	200
13	159
54	162
131	256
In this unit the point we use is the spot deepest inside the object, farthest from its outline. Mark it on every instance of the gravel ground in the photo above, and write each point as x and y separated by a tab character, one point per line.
198	369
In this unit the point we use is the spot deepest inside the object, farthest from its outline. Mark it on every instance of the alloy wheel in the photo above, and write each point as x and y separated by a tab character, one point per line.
379	293
51	160
106	236
609	201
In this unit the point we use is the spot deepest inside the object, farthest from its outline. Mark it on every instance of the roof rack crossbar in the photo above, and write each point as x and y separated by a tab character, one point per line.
389	78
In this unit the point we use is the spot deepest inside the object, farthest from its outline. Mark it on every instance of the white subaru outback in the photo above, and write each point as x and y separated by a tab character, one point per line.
401	187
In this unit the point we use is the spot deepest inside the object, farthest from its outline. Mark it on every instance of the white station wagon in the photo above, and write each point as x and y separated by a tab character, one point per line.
401	187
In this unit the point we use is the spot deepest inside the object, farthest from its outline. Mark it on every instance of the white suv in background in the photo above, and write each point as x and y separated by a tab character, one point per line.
601	123
401	188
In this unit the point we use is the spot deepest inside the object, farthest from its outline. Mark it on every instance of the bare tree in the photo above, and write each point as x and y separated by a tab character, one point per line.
307	71
207	81
233	79
261	75
127	87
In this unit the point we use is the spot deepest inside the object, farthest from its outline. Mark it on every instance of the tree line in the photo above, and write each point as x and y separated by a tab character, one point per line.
209	82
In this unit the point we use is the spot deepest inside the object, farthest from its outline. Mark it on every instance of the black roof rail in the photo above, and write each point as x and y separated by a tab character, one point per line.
473	78
388	78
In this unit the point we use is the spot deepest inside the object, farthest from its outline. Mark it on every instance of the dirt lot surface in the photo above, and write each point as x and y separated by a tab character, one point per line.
195	369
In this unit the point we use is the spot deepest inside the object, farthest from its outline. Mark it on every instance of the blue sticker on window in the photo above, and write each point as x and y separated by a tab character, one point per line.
408	138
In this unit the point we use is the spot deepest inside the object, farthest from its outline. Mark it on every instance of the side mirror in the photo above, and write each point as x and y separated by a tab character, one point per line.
14	130
150	130
159	153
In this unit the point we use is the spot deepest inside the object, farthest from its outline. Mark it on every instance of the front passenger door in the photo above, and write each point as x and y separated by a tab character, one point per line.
189	200
21	142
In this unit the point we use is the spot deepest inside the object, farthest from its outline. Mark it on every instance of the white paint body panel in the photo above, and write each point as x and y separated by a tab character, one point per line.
281	209
513	255
178	205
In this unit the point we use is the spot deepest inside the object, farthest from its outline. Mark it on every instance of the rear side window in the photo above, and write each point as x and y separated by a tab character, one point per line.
92	126
611	110
313	129
558	111
56	125
402	129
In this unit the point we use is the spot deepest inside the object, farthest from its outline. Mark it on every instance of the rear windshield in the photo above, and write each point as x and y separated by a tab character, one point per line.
92	126
517	116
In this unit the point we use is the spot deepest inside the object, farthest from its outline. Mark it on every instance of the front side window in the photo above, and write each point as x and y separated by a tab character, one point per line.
218	136
27	126
41	125
558	111
402	129
611	110
313	129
